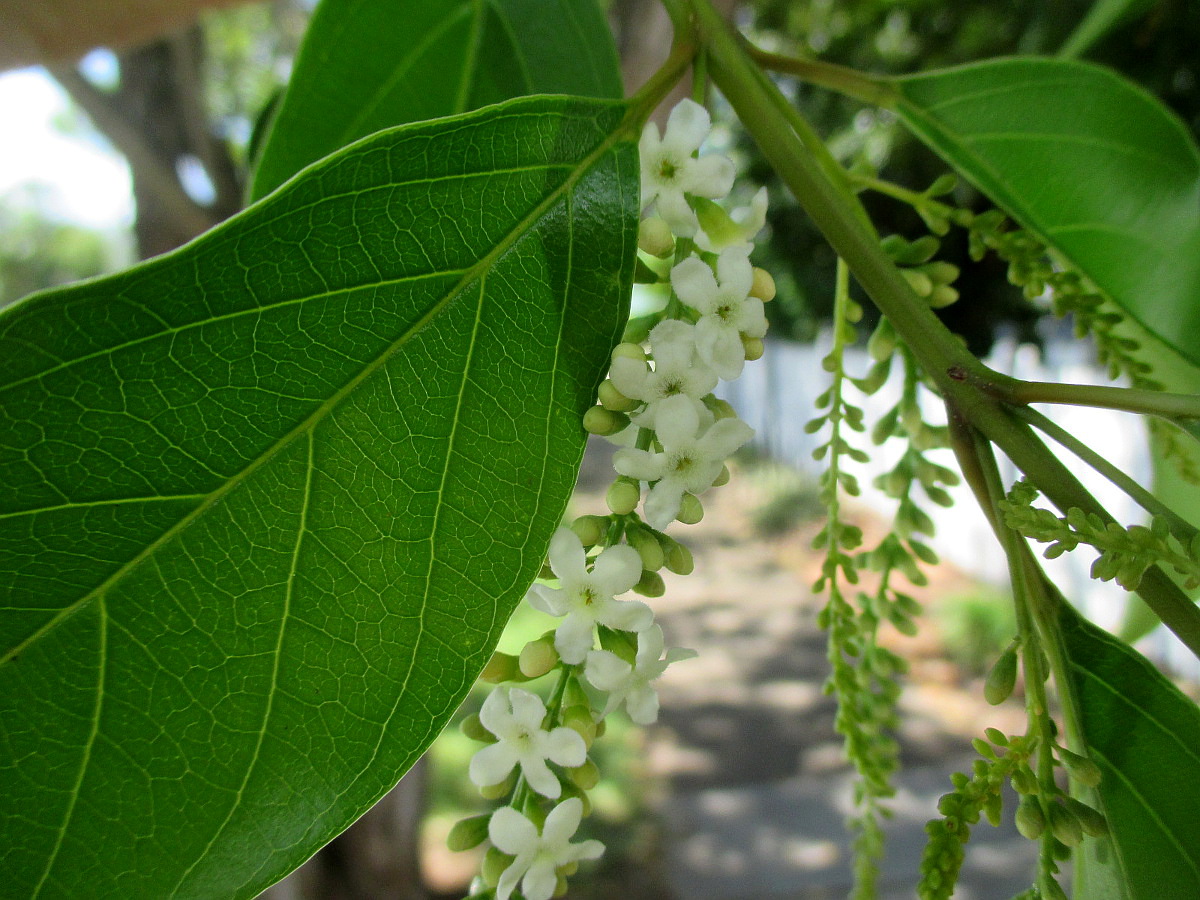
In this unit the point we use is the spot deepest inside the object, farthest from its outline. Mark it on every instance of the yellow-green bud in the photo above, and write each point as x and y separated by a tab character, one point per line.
941	272
1023	781
942	295
501	667
651	585
494	864
722	477
647	547
1031	821
1002	679
579	719
752	348
473	728
632	351
1065	825
1079	767
763	285
560	885
1091	820
538	657
623	496
604	422
690	510
921	284
590	529
501	790
613	399
468	833
678	557
586	776
655	238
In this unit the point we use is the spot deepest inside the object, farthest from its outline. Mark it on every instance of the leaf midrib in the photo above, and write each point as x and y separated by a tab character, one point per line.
620	131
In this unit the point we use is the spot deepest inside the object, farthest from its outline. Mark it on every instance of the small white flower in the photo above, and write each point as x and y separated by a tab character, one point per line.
726	308
515	717
630	684
677	370
586	598
538	856
690	460
720	230
669	169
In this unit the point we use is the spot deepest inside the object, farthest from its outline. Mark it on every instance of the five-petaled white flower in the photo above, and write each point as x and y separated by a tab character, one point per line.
538	856
727	311
587	598
669	169
630	684
690	460
677	370
515	717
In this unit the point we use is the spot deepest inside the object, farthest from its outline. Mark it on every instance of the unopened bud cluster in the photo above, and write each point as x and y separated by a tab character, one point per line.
606	651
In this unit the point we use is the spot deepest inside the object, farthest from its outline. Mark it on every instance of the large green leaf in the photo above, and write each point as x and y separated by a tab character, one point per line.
266	502
1088	162
372	64
1145	736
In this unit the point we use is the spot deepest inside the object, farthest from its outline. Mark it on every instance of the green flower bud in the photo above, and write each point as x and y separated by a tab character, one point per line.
1031	821
648	548
500	668
753	348
722	477
1023	781
538	657
921	284
604	422
996	736
468	833
942	296
501	790
579	719
678	557
1091	820
1002	679
721	409
494	864
586	776
1065	825
473	728
651	585
633	351
1079	767
690	510
655	238
611	398
763	285
623	496
590	529
882	344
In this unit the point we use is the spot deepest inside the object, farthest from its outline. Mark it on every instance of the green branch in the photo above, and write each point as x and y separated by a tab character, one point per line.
1153	403
842	79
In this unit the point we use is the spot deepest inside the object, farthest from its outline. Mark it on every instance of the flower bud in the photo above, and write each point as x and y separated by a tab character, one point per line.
942	296
473	728
611	398
586	776
590	529
752	348
1002	679
722	477
468	833
604	422
651	585
1091	820
763	285
632	351
1065	825
1031	821
721	409
501	667
647	547
655	238
678	557
921	284
501	790
623	496
579	719
1079	767
538	657
690	510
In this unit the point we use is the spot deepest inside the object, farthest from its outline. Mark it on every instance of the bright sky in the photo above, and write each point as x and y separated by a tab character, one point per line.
88	182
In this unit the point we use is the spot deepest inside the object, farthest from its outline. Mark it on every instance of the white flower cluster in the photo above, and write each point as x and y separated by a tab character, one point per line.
677	437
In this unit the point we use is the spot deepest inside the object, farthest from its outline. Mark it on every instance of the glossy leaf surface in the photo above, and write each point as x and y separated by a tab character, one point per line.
266	502
1088	162
1145	736
372	64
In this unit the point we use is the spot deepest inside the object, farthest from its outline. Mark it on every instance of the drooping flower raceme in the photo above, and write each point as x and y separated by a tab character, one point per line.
588	598
538	856
690	460
727	311
515	718
669	169
630	684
